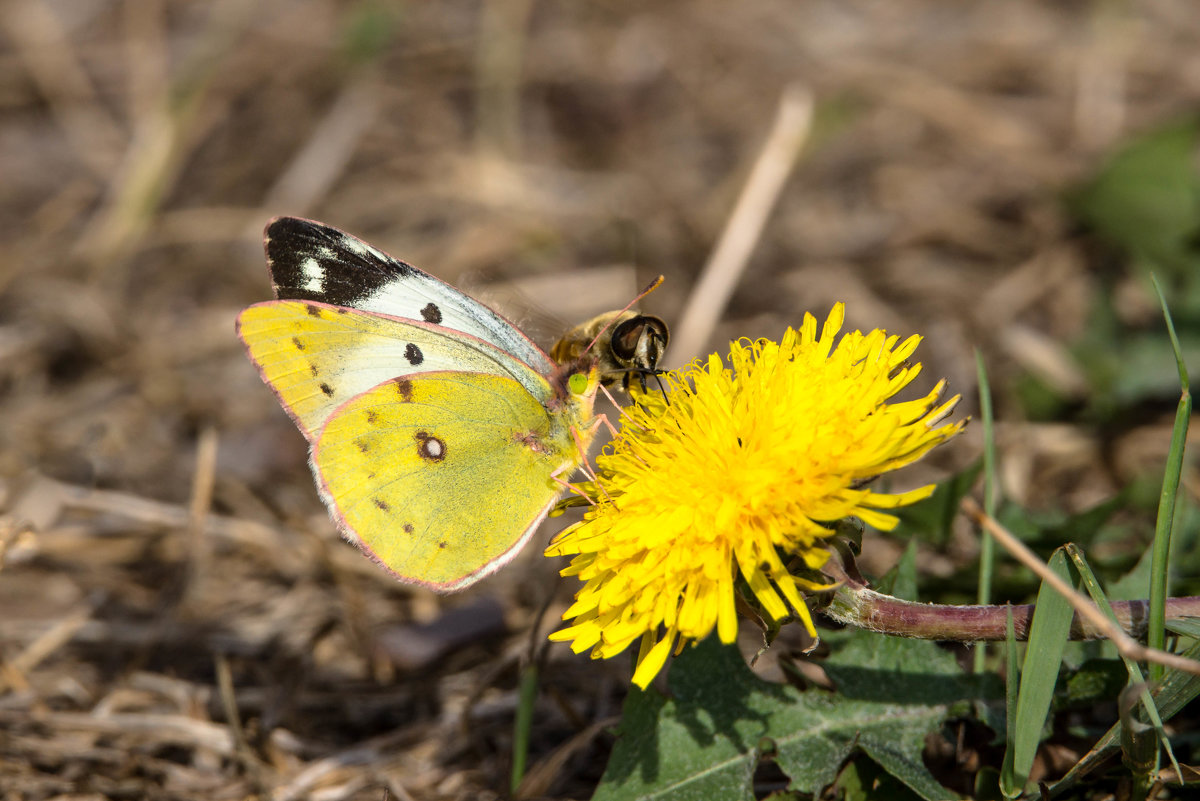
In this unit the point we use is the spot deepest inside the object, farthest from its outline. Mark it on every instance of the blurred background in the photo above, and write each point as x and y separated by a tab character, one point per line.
1000	177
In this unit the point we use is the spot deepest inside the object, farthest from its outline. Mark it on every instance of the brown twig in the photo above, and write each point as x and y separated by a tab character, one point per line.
203	481
54	638
857	605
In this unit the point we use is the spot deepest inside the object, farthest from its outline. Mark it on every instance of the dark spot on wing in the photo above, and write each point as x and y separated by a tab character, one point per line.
299	344
404	388
408	528
443	544
413	354
382	505
362	444
372	417
430	447
315	311
432	313
328	390
312	368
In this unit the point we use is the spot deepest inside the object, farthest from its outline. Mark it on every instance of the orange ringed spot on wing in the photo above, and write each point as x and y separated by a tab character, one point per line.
430	447
404	388
431	313
413	354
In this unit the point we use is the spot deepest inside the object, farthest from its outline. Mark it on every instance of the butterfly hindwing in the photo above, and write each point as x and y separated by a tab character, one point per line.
311	261
441	477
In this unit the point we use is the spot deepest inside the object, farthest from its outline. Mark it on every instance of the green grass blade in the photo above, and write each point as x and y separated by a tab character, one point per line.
1159	574
523	723
1012	681
1048	632
991	485
1135	673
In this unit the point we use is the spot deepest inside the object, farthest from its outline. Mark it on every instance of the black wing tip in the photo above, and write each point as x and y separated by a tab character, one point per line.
286	225
348	269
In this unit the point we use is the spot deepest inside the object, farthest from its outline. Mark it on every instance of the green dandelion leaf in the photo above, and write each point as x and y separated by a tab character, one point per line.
722	721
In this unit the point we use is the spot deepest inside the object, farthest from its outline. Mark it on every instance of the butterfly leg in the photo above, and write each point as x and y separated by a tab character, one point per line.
581	447
582	493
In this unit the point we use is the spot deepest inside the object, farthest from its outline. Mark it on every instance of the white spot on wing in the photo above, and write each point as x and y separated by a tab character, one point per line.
354	246
361	248
326	253
314	275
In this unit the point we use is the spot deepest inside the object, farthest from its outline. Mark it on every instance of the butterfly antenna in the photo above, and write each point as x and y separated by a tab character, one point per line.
653	285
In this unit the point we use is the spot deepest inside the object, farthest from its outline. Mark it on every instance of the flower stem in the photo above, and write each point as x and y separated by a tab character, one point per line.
864	608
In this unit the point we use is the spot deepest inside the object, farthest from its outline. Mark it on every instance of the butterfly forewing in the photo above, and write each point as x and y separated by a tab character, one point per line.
311	261
317	357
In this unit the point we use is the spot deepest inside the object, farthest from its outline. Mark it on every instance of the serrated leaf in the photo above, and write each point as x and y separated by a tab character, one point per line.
706	740
865	781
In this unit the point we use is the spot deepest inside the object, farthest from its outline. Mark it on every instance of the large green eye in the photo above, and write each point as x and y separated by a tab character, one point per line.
577	383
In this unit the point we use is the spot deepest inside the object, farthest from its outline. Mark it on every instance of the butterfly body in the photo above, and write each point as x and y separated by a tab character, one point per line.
439	433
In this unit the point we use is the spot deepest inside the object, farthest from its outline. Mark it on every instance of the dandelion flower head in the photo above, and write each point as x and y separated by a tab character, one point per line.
710	488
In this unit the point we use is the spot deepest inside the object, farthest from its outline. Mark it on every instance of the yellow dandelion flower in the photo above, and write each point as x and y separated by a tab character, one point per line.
739	470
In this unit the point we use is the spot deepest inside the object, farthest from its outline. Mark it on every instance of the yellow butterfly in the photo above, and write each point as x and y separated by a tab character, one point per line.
440	434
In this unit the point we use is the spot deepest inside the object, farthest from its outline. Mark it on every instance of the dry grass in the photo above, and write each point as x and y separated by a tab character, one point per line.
177	618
